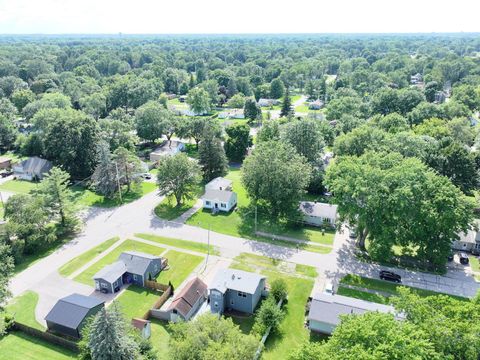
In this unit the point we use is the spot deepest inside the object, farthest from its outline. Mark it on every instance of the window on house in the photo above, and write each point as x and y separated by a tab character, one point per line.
103	285
208	203
242	294
327	220
223	205
134	277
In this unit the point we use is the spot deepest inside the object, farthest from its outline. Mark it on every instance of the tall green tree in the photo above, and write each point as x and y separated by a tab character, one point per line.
104	178
209	337
286	109
178	176
212	158
6	271
58	198
151	119
110	337
251	110
238	141
277	88
276	176
8	133
199	101
129	167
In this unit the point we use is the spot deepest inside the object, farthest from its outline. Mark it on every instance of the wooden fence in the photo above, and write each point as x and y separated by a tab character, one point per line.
155	285
47	336
167	292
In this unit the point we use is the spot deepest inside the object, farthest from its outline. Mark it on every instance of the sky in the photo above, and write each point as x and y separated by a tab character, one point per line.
243	16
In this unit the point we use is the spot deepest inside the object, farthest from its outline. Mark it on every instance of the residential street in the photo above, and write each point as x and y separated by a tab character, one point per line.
138	216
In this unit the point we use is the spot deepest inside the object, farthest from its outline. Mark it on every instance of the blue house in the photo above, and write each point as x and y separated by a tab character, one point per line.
132	267
236	290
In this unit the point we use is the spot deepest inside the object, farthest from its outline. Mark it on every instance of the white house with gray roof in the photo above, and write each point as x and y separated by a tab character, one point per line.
131	267
219	195
318	213
326	310
236	290
34	168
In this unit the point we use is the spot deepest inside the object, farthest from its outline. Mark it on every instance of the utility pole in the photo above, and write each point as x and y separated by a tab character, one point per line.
118	184
255	219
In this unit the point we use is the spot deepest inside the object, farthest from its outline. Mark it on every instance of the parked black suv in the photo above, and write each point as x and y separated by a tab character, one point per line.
463	258
390	276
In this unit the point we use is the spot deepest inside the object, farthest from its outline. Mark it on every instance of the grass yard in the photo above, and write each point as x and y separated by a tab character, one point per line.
292	331
191	150
362	295
304	109
182	244
306	270
18	186
23	309
86	197
237	224
76	263
388	287
160	337
135	301
169	210
474	263
17	345
128	245
180	267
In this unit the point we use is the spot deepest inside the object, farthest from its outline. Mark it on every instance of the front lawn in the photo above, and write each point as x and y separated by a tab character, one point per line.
86	197
23	309
474	263
240	223
180	265
183	244
18	186
169	210
76	263
128	245
387	287
135	301
18	345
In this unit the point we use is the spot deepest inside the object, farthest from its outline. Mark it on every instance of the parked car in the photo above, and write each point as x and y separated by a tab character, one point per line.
450	257
6	173
463	258
147	176
328	288
390	276
103	290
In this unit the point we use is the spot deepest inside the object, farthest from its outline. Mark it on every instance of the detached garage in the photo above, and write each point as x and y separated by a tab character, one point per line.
68	316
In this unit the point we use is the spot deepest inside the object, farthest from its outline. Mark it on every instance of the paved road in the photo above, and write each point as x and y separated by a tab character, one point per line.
138	216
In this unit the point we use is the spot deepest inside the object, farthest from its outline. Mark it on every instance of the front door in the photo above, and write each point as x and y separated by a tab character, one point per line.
97	285
216	205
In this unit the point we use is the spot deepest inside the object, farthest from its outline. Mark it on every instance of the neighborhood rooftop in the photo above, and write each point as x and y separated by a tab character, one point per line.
312	208
70	311
327	308
136	262
188	296
217	195
219	183
236	280
111	272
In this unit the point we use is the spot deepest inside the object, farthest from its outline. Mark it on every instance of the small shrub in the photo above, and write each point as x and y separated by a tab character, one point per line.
278	289
269	314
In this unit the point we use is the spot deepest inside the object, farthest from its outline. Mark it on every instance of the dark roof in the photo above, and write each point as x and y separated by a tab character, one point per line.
188	296
71	310
327	308
111	272
137	262
36	165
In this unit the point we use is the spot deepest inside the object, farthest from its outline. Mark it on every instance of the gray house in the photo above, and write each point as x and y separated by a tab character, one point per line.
131	267
34	168
68	315
236	290
188	300
326	309
468	241
318	214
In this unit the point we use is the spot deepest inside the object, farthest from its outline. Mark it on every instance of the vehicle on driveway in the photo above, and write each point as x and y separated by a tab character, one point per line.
6	173
390	276
146	176
463	258
328	288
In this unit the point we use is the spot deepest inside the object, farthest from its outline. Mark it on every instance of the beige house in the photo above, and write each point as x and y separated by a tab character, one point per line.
318	214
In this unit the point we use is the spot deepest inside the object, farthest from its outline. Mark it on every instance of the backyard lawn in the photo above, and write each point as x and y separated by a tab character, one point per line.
128	245
17	345
180	266
182	244
160	337
237	224
76	263
135	301
23	309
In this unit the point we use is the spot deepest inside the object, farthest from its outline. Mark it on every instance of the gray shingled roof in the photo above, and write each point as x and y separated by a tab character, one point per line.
238	280
136	262
328	308
219	183
217	195
36	165
71	310
318	209
111	272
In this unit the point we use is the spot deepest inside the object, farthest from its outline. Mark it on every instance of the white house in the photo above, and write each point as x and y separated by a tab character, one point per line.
167	148
325	311
469	241
232	114
318	214
267	102
219	195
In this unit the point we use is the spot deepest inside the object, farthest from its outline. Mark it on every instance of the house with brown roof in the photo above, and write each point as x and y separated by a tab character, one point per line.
144	326
187	302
